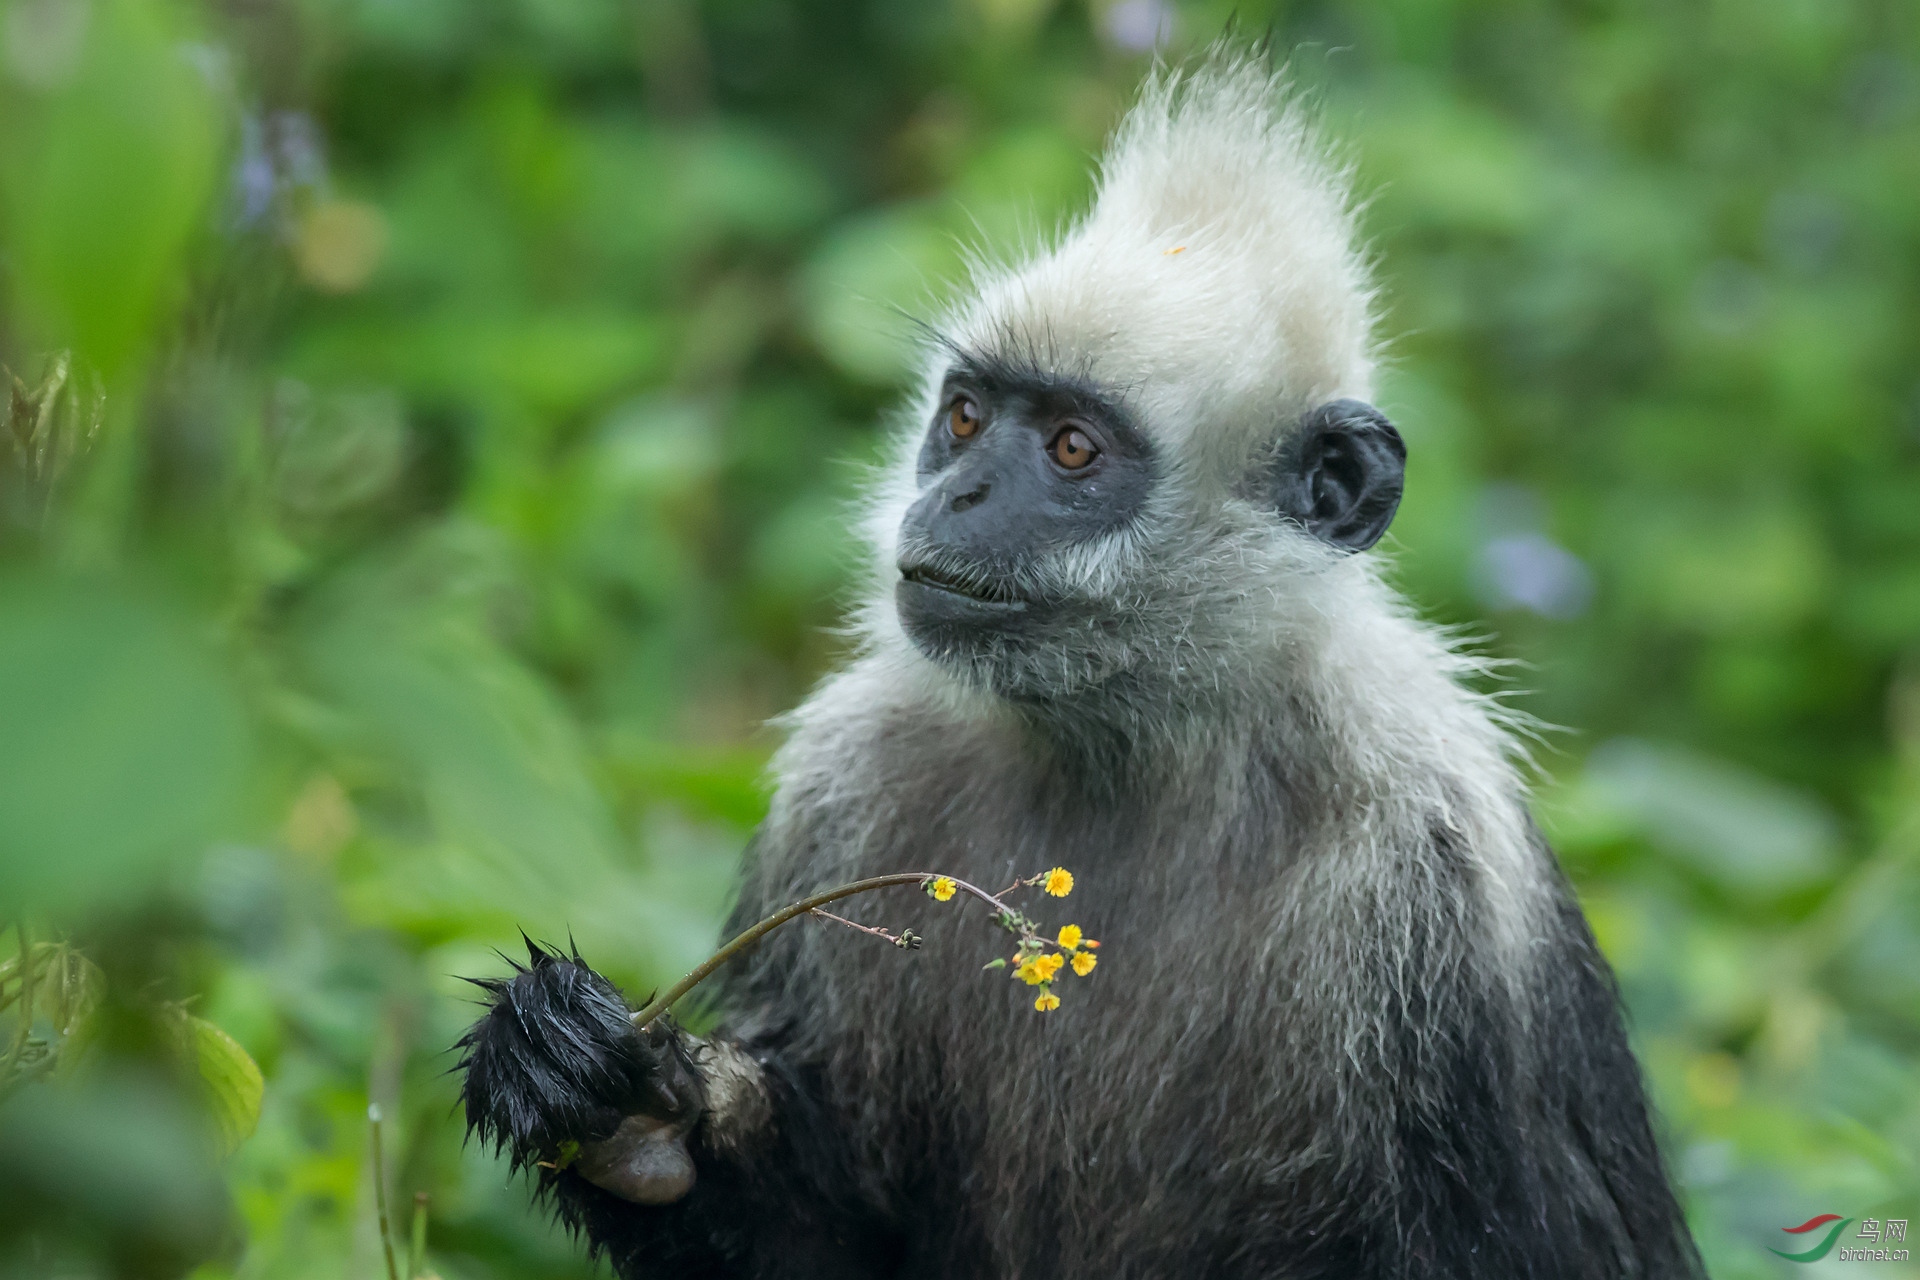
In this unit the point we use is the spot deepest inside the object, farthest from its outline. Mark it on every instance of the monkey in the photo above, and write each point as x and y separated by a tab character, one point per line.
1122	616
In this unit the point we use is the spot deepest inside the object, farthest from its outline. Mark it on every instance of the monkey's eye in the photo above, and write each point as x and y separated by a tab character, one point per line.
1072	449
963	419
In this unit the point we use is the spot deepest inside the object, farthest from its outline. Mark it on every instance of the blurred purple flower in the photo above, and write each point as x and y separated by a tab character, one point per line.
252	174
1531	571
1140	25
279	153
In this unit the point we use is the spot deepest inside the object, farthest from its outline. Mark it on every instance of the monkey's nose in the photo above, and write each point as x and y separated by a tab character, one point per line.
972	497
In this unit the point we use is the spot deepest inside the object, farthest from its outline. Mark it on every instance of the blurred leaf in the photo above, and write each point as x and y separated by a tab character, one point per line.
1883	607
728	784
121	1159
108	166
746	181
1752	836
422	27
498	762
336	451
1021	186
1450	162
869	281
552	362
1724	567
125	745
807	551
234	1084
520	836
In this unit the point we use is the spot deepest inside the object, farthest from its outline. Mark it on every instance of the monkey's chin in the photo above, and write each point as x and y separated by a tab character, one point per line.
946	623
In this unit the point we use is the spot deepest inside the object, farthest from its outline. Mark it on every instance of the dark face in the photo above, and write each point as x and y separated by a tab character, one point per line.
1015	468
1020	468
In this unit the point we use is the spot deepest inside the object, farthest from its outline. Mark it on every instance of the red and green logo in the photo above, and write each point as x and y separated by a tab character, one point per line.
1826	1244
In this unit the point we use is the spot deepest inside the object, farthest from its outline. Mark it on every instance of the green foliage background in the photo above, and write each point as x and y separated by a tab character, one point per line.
451	471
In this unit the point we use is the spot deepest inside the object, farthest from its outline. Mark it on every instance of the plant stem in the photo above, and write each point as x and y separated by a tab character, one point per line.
417	1247
870	930
663	1002
380	1192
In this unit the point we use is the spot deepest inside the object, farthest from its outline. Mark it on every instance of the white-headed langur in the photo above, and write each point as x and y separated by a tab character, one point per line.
1121	617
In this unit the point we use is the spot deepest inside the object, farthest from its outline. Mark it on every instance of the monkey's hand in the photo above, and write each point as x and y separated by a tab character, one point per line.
558	1077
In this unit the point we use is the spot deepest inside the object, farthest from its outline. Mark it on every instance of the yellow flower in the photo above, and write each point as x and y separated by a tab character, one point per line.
1059	882
1029	972
1070	936
1084	962
943	888
1047	1001
1048	965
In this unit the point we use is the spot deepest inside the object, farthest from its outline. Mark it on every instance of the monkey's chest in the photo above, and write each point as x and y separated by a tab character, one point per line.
946	1053
1153	1080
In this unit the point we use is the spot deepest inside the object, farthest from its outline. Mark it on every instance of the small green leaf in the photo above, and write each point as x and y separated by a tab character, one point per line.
234	1084
999	963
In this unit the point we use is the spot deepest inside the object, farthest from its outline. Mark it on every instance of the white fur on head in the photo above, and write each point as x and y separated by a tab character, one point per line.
1216	289
1216	280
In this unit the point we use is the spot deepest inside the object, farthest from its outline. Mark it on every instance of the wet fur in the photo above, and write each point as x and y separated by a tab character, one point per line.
1348	1021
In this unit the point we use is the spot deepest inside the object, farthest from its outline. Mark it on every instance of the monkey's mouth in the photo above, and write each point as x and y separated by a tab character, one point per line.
981	590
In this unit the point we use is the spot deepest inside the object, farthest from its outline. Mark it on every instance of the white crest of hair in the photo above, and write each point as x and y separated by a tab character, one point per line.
1217	273
1216	289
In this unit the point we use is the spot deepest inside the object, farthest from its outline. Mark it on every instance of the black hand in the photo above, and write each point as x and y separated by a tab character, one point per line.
556	1060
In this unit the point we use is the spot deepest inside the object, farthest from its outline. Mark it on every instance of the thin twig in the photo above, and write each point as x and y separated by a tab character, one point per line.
380	1192
660	1004
906	940
861	928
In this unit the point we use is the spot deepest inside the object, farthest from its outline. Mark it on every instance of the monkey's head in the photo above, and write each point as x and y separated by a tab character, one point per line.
1144	457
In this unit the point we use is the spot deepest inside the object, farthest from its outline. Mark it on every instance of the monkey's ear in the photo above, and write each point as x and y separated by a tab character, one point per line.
1341	473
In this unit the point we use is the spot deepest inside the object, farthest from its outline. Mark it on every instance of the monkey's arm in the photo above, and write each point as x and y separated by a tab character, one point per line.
696	1158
